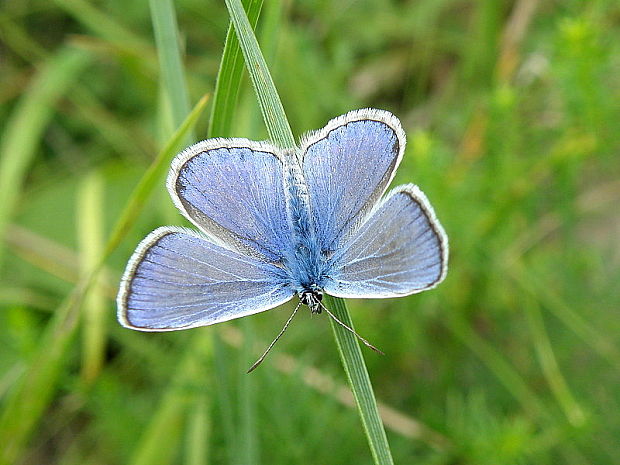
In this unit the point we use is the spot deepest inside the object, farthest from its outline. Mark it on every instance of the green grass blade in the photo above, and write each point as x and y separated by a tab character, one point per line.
357	374
164	21
26	124
164	432
153	175
247	398
90	227
161	436
229	77
105	26
498	365
573	411
198	431
280	132
224	390
33	392
269	101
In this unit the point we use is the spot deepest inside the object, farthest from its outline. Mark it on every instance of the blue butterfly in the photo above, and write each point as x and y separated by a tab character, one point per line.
274	223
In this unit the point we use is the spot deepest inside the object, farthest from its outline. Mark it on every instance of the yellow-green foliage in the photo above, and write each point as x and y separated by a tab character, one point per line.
512	114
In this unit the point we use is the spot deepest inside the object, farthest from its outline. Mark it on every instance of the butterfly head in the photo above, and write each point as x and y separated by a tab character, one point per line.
312	298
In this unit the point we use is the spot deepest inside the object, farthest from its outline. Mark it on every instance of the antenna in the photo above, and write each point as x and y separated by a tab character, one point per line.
262	357
368	344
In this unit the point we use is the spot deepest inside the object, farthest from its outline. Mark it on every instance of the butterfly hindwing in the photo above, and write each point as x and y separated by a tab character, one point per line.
177	279
401	249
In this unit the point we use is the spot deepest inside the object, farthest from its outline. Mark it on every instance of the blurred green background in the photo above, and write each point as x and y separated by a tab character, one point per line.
511	110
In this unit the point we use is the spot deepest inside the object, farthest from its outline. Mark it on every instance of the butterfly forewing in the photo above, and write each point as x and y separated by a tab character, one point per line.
177	279
347	166
401	249
234	191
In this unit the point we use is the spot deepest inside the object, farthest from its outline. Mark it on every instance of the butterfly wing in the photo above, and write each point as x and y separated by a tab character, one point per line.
233	190
177	279
401	249
347	166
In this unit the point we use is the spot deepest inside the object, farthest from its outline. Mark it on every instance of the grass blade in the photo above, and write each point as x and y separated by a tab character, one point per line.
280	132
198	431
33	392
247	397
164	21
163	434
229	77
225	404
90	237
268	99
28	121
549	364
153	175
357	374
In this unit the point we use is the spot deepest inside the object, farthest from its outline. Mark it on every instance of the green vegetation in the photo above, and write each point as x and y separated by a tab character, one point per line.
512	114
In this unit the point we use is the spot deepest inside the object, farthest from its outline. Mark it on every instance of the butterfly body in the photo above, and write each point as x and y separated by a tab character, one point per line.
276	223
305	264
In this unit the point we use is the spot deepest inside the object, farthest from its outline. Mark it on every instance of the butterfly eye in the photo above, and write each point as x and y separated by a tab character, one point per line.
311	298
305	298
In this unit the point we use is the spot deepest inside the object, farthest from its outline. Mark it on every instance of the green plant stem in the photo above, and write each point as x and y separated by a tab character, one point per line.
280	132
90	229
357	374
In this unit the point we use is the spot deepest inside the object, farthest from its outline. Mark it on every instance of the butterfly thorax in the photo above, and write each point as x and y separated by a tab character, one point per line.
303	259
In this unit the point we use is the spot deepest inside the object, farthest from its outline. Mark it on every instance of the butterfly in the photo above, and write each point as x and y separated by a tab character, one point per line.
274	223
